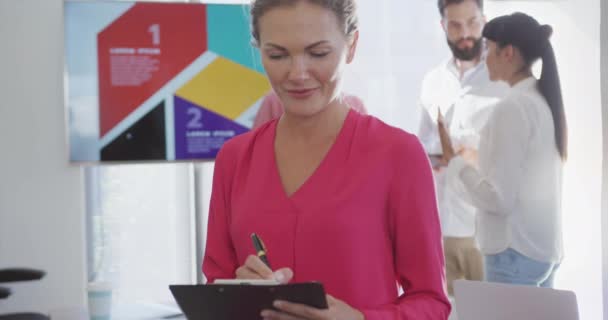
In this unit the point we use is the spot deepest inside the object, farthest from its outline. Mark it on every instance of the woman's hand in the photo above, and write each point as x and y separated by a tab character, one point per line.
446	141
469	155
338	310
255	268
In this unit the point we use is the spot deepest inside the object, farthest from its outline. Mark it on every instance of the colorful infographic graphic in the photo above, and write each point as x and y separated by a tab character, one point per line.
175	81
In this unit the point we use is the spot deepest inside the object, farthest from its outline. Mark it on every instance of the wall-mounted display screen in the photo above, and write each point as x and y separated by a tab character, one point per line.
158	81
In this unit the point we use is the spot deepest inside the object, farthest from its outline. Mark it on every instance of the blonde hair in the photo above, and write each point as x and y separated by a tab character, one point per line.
345	11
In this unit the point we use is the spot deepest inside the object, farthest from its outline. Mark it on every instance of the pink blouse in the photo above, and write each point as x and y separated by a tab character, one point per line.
363	223
272	108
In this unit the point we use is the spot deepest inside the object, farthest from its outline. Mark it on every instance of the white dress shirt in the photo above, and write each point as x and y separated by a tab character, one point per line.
464	103
517	187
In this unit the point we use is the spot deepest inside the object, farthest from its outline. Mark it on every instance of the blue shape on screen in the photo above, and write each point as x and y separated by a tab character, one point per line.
229	35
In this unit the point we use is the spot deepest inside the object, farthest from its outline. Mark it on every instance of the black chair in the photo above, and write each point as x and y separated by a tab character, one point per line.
17	275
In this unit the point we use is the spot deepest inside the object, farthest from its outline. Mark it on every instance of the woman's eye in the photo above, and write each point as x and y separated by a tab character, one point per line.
276	56
319	54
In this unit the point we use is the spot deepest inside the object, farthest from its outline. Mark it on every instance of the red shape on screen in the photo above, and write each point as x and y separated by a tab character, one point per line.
142	50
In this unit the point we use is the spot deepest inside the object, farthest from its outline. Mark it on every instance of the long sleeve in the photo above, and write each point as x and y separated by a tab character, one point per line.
417	241
220	260
493	187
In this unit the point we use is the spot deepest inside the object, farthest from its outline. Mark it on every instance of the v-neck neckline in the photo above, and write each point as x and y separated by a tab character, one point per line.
338	142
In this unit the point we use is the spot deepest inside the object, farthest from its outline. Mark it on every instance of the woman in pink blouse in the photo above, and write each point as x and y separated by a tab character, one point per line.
337	196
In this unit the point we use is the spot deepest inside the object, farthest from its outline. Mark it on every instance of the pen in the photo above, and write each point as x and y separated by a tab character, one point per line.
260	249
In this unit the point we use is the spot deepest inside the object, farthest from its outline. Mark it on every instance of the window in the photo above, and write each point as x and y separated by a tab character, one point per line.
141	225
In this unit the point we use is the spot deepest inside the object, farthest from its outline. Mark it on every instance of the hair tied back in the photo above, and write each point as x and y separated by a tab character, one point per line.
545	31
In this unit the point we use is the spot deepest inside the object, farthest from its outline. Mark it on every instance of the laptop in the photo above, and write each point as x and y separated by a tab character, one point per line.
477	300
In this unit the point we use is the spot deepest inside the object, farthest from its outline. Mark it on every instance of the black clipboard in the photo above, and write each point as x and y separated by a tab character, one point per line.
242	301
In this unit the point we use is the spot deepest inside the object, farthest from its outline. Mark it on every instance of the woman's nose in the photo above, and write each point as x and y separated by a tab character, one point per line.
299	69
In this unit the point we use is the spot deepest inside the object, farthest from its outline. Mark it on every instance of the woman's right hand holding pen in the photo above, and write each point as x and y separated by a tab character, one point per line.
255	268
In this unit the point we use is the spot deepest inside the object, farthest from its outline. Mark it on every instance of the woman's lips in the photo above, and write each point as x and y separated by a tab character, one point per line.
301	93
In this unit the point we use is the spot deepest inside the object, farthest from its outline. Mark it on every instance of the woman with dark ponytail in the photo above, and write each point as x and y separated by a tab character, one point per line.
515	180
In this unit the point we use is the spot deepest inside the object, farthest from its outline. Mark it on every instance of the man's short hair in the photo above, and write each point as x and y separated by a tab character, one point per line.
442	4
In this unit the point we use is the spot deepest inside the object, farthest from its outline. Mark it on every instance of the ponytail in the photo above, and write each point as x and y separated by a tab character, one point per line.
549	86
532	39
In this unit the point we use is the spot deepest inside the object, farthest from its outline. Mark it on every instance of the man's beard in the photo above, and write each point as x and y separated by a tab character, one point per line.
467	54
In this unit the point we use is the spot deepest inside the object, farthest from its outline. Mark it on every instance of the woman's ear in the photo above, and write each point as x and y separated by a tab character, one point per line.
352	47
509	52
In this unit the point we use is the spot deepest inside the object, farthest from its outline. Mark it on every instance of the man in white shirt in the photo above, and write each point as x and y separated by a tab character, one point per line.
462	92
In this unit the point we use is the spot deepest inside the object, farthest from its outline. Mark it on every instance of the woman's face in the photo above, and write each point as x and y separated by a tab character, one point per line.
492	60
304	51
500	61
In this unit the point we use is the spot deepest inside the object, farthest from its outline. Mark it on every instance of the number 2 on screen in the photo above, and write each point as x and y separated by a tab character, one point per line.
195	118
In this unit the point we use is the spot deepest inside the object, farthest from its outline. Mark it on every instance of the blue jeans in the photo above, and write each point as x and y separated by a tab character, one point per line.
512	267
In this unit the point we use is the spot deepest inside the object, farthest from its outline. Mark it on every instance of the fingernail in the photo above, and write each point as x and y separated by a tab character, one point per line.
279	276
265	313
277	304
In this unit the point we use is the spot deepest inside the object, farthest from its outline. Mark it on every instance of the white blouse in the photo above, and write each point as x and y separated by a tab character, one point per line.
517	187
464	102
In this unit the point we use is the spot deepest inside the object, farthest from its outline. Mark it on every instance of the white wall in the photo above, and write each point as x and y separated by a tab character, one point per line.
399	42
41	196
604	85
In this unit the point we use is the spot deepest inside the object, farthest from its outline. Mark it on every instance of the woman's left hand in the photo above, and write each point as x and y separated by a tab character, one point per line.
469	155
338	310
